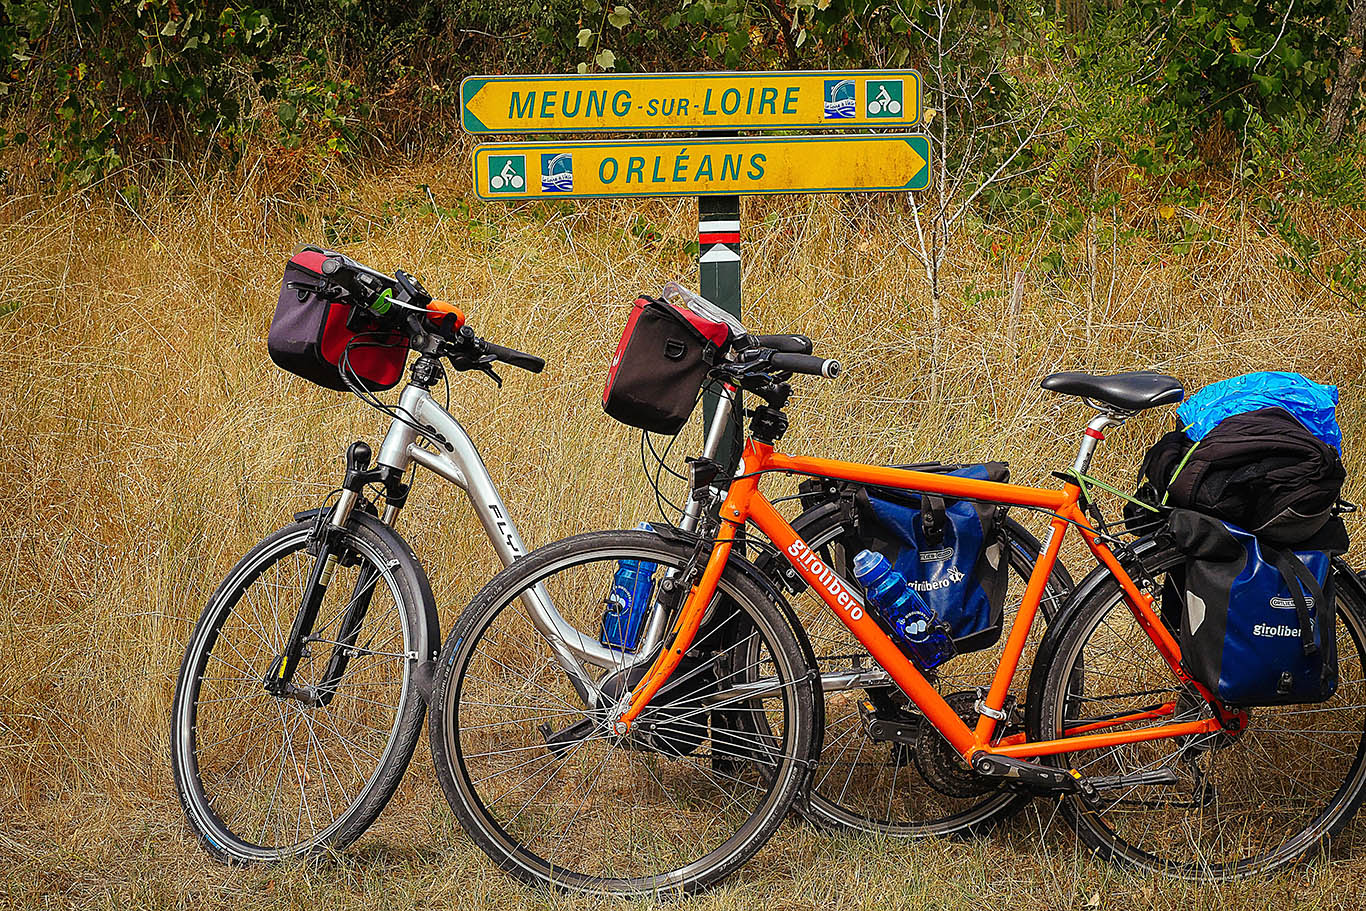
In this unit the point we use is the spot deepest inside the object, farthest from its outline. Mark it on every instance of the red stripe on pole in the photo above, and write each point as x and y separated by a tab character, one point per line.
724	237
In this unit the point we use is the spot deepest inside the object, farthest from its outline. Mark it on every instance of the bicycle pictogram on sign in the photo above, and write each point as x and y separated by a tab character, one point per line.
507	173
884	97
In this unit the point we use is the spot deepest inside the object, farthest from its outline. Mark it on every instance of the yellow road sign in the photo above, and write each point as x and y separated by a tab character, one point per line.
838	99
702	167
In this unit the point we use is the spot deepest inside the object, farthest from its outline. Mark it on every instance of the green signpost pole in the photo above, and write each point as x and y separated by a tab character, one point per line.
718	260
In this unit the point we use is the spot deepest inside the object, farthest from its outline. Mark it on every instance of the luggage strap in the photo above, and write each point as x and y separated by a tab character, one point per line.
933	517
1301	580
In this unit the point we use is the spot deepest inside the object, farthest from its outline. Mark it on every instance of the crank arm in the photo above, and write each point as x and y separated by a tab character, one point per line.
568	736
1031	775
885	730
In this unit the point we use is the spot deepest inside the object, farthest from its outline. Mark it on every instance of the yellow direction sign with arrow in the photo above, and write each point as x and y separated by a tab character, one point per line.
636	103
702	167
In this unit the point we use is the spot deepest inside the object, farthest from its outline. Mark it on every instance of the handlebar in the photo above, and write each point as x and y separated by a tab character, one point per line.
515	358
805	363
401	301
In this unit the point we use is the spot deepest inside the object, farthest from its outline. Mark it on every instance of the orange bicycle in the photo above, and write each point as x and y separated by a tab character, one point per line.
671	767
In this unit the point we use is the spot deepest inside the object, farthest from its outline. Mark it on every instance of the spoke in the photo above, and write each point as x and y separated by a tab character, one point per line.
358	651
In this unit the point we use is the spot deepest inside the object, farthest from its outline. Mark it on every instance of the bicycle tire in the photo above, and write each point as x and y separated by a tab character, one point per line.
688	856
216	810
1188	842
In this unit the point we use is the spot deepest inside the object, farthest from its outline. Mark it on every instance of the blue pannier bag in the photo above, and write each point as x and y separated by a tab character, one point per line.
950	551
1257	624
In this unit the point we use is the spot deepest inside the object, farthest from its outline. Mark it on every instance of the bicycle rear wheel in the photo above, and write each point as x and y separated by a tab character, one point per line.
263	777
543	786
1214	806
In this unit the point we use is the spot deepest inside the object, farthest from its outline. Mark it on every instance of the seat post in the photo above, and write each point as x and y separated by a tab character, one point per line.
1095	432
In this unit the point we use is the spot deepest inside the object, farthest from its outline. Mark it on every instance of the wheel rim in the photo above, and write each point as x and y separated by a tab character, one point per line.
268	777
1238	805
602	814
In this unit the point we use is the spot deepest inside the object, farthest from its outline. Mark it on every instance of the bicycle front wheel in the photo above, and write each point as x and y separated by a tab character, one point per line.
1212	806
541	783
264	777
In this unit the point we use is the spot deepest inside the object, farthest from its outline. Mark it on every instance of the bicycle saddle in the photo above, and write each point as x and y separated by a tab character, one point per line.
1131	391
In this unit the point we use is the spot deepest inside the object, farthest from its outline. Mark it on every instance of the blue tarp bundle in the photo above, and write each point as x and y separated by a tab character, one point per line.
1313	405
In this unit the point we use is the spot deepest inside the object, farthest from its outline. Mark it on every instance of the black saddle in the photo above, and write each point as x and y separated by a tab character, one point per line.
1132	391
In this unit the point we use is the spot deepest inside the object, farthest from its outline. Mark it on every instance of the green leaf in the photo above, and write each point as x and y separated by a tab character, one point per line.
583	68
585	37
620	17
592	6
605	59
801	38
287	114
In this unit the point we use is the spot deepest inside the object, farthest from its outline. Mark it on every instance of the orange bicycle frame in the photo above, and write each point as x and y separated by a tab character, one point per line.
744	503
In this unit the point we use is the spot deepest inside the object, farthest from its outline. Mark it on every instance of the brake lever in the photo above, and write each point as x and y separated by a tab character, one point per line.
485	366
472	359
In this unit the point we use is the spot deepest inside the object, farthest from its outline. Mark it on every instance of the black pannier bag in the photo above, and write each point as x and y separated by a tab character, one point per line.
1257	624
311	332
1262	470
953	552
661	361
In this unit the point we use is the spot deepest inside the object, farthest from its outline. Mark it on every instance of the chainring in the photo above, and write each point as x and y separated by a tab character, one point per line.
940	764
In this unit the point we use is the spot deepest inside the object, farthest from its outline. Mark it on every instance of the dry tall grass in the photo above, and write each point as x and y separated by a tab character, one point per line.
148	442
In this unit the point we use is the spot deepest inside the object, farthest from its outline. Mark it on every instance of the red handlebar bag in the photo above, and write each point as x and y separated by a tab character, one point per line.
310	333
664	355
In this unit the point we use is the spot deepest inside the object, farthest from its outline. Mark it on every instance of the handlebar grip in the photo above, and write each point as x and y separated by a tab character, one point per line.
789	344
515	358
805	363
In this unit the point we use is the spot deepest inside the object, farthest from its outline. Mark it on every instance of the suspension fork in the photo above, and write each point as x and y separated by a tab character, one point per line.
348	631
279	680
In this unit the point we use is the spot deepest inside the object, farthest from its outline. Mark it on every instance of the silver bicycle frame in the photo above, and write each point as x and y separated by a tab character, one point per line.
457	460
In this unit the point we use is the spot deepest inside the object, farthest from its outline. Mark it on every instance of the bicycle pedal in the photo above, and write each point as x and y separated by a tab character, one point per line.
1031	774
1154	777
904	730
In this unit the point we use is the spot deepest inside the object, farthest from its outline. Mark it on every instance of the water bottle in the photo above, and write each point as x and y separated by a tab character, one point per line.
633	589
914	623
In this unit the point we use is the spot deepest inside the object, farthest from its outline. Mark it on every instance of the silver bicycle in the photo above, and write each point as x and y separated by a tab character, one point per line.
301	695
303	687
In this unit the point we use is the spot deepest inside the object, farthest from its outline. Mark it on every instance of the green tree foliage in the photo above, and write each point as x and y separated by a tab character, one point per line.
1171	86
117	75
